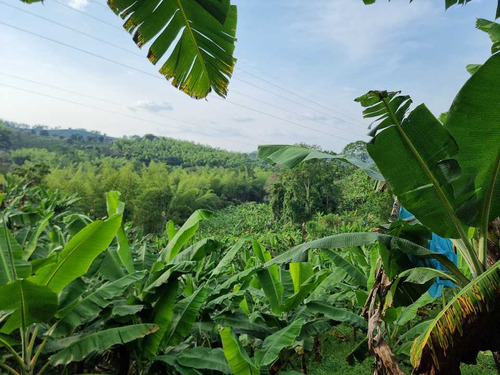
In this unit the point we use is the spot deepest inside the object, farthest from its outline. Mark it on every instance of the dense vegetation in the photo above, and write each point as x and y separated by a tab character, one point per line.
98	281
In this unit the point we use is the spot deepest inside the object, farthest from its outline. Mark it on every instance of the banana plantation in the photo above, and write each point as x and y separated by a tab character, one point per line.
157	271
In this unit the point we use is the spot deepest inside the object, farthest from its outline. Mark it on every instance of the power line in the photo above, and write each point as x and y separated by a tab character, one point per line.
296	102
357	122
158	77
103	100
98	3
285	120
235	78
60	88
72	29
112	112
80	50
295	113
88	15
298	95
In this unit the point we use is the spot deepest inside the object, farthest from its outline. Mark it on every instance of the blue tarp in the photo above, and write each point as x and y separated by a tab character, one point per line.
439	245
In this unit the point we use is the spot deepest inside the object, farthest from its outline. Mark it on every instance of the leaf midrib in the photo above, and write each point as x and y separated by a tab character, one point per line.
84	240
191	35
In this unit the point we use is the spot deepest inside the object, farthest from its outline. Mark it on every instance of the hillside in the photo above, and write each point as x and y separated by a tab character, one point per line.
69	142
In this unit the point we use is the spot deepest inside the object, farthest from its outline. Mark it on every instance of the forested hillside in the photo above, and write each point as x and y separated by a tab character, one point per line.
161	178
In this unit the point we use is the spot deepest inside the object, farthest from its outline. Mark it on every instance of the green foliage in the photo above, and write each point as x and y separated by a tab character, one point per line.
202	58
300	193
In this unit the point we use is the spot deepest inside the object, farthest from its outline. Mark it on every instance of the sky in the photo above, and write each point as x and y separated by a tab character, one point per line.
300	66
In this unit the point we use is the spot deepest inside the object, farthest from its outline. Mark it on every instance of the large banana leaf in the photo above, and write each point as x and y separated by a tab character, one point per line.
272	287
196	251
415	155
89	307
351	271
228	258
338	314
235	354
274	344
197	35
78	254
473	122
33	240
291	156
29	303
204	359
12	264
185	313
241	324
300	272
99	342
346	240
468	324
163	315
169	270
184	234
304	290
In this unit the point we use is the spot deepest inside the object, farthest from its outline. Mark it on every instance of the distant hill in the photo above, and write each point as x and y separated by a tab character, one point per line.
15	138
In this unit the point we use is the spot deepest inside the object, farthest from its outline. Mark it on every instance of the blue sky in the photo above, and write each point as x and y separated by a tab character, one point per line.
328	51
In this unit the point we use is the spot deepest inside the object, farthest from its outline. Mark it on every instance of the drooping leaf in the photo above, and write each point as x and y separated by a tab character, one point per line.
352	271
197	35
291	156
422	275
274	344
204	359
338	314
241	324
470	314
235	354
29	303
99	342
493	30
78	254
346	240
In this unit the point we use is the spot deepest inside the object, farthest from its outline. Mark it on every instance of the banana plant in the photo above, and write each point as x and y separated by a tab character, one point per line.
447	175
33	295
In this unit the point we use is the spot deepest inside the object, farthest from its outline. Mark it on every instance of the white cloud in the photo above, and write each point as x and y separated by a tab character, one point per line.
360	31
242	119
152	106
78	4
